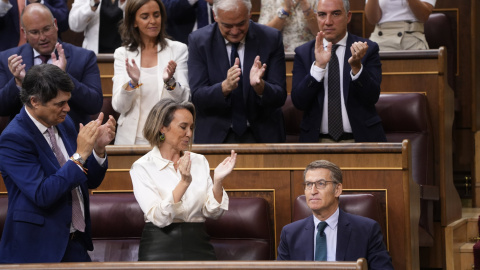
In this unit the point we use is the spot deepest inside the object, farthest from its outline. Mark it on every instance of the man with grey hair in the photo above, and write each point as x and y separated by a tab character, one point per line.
331	234
237	78
336	81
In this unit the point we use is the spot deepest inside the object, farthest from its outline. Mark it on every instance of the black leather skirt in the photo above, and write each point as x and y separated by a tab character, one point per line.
176	242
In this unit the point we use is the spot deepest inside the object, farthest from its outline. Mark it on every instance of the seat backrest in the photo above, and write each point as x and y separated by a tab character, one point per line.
438	32
242	233
365	205
292	118
405	116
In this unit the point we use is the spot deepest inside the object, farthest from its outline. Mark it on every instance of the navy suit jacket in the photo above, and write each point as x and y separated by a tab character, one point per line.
357	237
208	64
9	24
181	17
360	95
39	215
87	97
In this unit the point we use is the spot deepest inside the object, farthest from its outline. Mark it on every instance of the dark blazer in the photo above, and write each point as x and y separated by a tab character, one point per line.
9	24
87	97
181	17
360	95
357	237
207	68
39	213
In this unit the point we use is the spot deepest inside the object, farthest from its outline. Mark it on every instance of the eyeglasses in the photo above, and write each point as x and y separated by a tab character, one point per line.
47	30
322	184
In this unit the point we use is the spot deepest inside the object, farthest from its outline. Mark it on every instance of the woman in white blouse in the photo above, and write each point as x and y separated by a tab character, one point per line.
174	188
148	68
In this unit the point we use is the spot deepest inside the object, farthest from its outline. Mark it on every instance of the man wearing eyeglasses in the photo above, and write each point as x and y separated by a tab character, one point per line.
41	32
336	81
331	234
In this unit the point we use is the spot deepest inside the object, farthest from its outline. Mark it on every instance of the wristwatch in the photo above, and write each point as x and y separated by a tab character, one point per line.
282	14
94	4
78	158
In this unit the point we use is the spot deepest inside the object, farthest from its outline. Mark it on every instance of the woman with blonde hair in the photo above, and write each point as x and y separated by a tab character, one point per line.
174	188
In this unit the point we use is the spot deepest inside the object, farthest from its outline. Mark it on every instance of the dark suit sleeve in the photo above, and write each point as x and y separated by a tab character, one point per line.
283	254
304	87
33	171
87	98
377	255
205	95
60	12
176	9
10	103
366	88
274	93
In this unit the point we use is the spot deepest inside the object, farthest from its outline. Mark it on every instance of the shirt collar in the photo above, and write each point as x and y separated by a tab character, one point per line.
332	221
42	128
159	161
342	42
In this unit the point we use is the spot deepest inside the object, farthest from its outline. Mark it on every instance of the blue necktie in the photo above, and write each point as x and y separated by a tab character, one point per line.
335	123
239	119
321	242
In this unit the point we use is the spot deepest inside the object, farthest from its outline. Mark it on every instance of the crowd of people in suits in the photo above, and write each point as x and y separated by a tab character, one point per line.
226	86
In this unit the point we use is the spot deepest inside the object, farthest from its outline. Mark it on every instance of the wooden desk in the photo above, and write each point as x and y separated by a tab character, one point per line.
360	264
275	172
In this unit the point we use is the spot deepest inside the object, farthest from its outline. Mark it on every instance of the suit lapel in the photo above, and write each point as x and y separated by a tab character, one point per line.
219	49
346	67
27	55
307	238
38	137
252	46
343	236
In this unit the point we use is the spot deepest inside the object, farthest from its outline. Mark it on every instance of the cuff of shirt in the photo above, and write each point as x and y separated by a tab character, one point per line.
354	77
99	159
317	73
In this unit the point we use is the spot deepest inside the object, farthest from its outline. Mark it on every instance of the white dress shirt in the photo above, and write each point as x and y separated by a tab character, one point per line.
154	179
322	74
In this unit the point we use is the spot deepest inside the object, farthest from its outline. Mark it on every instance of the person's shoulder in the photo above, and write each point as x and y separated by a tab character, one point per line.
204	32
305	48
15	50
298	224
76	50
176	45
356	219
263	29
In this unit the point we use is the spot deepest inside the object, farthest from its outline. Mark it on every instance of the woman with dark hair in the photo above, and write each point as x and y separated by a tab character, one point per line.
148	67
174	188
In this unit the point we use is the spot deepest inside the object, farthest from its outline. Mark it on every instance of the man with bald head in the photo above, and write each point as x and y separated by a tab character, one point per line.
41	32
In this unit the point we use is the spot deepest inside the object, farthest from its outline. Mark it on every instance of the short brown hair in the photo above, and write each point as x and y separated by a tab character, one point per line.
161	115
335	172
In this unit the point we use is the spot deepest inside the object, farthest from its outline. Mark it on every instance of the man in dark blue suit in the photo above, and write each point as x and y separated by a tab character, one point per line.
41	30
48	168
237	78
186	16
10	33
343	236
337	88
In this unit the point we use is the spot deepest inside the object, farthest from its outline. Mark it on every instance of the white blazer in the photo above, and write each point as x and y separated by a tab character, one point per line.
128	103
82	19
